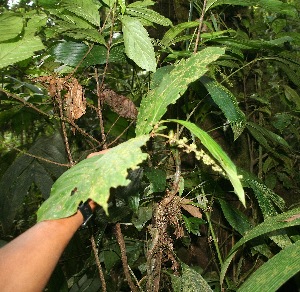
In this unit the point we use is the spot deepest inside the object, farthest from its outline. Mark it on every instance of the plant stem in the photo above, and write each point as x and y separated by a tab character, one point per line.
101	275
121	242
215	239
200	27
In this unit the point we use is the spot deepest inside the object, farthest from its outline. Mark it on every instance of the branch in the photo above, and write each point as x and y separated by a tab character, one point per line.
121	243
200	26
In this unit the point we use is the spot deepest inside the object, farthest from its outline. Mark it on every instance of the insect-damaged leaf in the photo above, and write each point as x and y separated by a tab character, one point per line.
172	86
93	178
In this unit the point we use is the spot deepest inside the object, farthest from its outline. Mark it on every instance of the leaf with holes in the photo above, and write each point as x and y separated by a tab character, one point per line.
172	86
93	178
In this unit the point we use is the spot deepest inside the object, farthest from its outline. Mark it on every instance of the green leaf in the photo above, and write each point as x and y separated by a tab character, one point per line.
190	281
86	34
275	6
109	3
235	217
216	151
172	86
269	140
227	102
254	45
122	4
267	201
172	33
266	198
143	215
87	9
11	25
138	46
192	224
274	273
274	223
157	179
13	52
144	3
149	15
93	178
74	54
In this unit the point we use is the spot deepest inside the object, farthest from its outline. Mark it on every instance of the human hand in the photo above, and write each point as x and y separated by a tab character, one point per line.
98	153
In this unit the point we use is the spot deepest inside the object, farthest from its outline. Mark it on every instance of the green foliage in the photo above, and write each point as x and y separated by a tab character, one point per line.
227	103
11	26
216	151
138	46
288	257
284	220
217	88
89	10
13	49
172	86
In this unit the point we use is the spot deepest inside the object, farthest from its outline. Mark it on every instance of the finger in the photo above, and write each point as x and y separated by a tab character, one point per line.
98	153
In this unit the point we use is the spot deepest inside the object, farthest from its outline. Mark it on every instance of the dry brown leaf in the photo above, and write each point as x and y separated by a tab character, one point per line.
193	210
120	104
74	102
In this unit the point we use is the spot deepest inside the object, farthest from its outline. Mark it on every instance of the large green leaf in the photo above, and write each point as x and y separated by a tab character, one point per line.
172	86
227	102
11	25
87	9
221	157
93	178
274	273
246	44
138	46
24	48
274	223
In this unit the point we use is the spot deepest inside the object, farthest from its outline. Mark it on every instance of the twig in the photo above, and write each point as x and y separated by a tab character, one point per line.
99	110
200	27
38	157
65	119
121	242
64	130
101	275
115	140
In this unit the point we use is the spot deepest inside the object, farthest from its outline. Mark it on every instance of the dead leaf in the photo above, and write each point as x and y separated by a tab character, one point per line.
193	210
120	104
